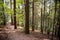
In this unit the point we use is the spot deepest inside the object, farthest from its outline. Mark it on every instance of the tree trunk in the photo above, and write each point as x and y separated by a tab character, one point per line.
27	16
59	21
54	18
4	16
48	28
4	19
33	16
11	14
15	27
44	16
41	22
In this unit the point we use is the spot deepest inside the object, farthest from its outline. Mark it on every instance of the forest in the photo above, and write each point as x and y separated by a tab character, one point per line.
29	19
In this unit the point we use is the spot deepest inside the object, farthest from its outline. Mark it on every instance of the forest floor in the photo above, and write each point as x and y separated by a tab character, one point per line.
17	34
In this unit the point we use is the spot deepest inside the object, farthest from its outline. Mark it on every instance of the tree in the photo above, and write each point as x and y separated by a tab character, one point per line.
58	20
54	17
15	27
33	16
41	22
11	13
44	13
4	16
27	16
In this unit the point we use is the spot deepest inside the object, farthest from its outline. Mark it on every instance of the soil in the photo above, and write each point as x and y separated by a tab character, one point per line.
18	34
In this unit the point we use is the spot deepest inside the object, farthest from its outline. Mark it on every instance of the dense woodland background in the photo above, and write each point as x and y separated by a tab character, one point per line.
31	15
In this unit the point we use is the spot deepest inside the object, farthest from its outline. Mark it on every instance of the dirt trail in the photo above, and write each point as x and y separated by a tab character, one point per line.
18	34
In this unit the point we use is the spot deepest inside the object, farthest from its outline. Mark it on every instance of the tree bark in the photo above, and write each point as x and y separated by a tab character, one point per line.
4	16
58	21
41	22
11	14
27	16
54	18
15	27
33	16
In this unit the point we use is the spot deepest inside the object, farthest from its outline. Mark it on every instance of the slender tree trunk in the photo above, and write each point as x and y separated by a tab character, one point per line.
58	21
12	20
4	19
11	14
15	27
27	16
44	16
4	16
33	16
54	18
48	30
41	22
